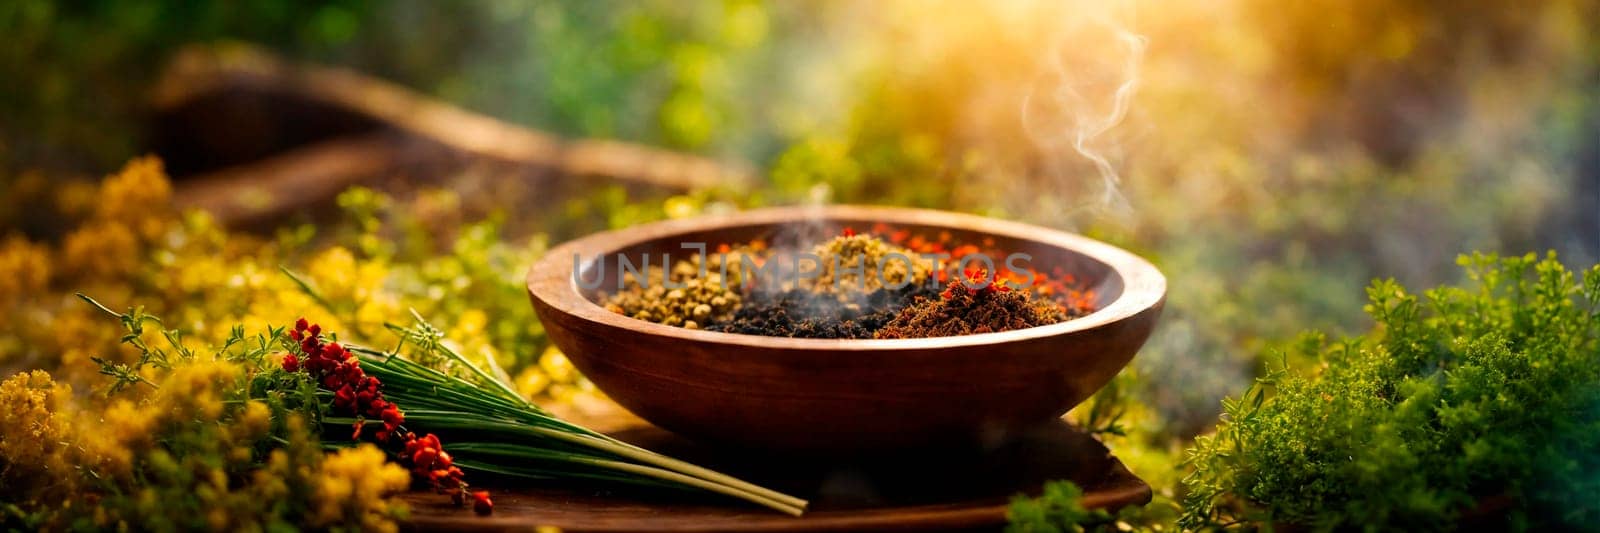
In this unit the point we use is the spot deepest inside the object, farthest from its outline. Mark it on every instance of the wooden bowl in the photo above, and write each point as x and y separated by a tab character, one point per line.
847	396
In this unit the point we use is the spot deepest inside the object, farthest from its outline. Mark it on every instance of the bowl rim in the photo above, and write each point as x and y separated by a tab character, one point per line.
550	279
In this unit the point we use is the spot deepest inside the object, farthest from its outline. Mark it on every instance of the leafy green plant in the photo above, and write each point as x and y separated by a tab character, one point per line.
1060	509
1479	402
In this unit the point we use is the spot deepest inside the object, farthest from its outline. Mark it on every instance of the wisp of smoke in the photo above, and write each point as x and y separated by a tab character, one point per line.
1091	75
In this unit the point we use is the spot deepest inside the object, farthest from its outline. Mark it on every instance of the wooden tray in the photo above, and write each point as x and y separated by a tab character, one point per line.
911	491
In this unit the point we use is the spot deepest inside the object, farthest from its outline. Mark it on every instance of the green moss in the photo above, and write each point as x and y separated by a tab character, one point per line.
1479	402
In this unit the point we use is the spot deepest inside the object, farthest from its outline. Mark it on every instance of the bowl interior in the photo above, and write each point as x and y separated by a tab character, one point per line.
1088	272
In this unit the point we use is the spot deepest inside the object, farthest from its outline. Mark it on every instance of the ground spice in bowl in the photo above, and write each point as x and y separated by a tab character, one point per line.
799	313
845	296
964	310
849	266
699	301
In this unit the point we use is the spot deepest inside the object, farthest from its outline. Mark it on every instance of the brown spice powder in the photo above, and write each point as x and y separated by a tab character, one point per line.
964	311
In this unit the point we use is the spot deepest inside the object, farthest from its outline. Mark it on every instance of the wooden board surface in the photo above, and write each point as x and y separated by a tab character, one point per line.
912	491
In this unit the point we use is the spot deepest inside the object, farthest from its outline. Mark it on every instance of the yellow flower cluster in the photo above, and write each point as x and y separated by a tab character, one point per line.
131	248
352	479
134	210
137	198
24	268
555	378
179	448
182	453
35	460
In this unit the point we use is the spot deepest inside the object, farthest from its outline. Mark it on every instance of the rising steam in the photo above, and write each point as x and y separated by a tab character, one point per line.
1090	76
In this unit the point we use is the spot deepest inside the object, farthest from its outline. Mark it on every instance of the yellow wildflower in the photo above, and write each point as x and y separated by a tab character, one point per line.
255	421
103	249
531	382
556	365
197	388
34	461
124	429
137	197
24	270
354	488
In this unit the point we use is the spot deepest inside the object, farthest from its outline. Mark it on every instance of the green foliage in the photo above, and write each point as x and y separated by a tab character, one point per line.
477	264
1478	402
696	76
1059	509
79	73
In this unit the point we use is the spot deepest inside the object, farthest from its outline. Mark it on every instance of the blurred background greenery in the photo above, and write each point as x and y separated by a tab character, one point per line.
1270	157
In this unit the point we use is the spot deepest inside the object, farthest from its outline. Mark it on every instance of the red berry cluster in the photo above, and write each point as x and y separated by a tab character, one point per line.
339	371
429	461
355	392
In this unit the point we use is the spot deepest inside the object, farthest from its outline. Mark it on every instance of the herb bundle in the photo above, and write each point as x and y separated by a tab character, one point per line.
489	428
483	409
494	430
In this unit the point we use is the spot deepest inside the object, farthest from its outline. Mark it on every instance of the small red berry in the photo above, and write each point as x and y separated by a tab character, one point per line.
424	457
393	416
481	503
343	397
